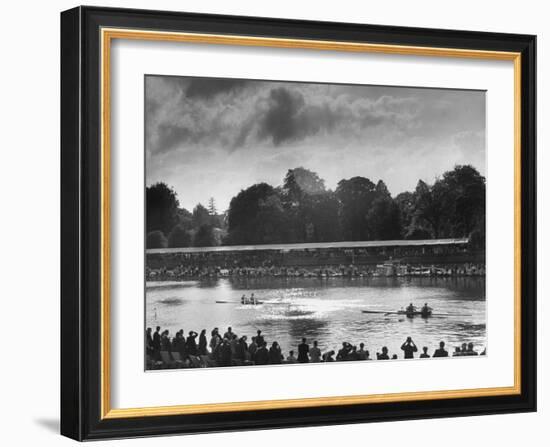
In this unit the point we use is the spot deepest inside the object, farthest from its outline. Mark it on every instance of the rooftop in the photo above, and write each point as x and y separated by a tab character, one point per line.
312	246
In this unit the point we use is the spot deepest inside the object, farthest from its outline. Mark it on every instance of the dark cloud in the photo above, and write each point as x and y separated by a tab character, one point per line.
279	122
207	88
190	110
210	136
289	116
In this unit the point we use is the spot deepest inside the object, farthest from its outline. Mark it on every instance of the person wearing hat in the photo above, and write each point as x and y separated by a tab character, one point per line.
191	343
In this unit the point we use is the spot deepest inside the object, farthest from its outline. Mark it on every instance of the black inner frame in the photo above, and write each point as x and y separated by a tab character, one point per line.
81	223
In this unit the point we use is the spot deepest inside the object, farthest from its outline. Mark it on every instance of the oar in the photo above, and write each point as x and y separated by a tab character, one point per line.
384	312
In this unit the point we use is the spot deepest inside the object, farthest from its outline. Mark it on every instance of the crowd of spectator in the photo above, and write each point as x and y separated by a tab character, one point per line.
197	351
184	271
436	260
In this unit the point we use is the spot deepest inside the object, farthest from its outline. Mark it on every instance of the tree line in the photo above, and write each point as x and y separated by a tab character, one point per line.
302	209
169	225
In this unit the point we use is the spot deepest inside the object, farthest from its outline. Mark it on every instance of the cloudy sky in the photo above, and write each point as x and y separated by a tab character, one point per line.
209	137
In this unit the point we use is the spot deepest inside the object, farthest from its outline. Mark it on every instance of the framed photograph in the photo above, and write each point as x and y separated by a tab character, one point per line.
273	223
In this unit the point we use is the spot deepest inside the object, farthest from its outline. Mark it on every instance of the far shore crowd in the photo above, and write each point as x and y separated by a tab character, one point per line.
330	271
197	351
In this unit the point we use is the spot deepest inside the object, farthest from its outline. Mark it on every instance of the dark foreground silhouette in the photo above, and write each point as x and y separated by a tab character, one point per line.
199	351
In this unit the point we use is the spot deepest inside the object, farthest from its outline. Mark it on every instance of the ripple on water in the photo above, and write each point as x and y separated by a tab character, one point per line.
326	310
172	301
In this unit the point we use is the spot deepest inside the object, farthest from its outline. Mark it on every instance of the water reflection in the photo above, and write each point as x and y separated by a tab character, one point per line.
328	310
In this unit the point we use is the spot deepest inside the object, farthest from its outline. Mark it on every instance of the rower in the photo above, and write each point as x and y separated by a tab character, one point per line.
426	310
252	299
243	299
410	308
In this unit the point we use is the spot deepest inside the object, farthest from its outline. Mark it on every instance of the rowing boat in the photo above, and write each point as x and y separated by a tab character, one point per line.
416	313
409	314
238	302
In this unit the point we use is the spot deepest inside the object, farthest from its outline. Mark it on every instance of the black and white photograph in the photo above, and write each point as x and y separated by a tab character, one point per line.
288	220
293	222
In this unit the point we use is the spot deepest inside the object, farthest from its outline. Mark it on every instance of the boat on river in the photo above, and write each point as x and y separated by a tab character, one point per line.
255	303
415	313
408	314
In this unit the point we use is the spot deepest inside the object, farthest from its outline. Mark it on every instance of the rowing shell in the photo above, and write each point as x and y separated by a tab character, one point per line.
238	302
416	313
401	312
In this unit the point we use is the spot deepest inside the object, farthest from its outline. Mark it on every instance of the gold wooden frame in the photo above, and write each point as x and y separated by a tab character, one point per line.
107	35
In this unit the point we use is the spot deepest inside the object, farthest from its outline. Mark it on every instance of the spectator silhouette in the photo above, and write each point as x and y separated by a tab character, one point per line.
156	343
275	356
149	342
291	358
225	358
315	353
203	343
192	343
262	355
425	354
409	348
441	351
383	355
259	338
303	351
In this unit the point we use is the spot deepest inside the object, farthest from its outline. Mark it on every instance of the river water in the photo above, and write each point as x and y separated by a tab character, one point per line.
327	310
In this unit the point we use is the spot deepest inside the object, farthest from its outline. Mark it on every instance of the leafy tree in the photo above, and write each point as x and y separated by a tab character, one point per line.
312	211
406	203
185	218
161	207
430	207
356	196
383	219
179	237
454	206
382	191
465	200
303	210
212	207
270	222
205	237
301	181
201	216
156	239
323	212
252	212
216	220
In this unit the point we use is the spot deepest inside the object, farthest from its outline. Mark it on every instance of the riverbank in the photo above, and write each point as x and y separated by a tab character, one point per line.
389	270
